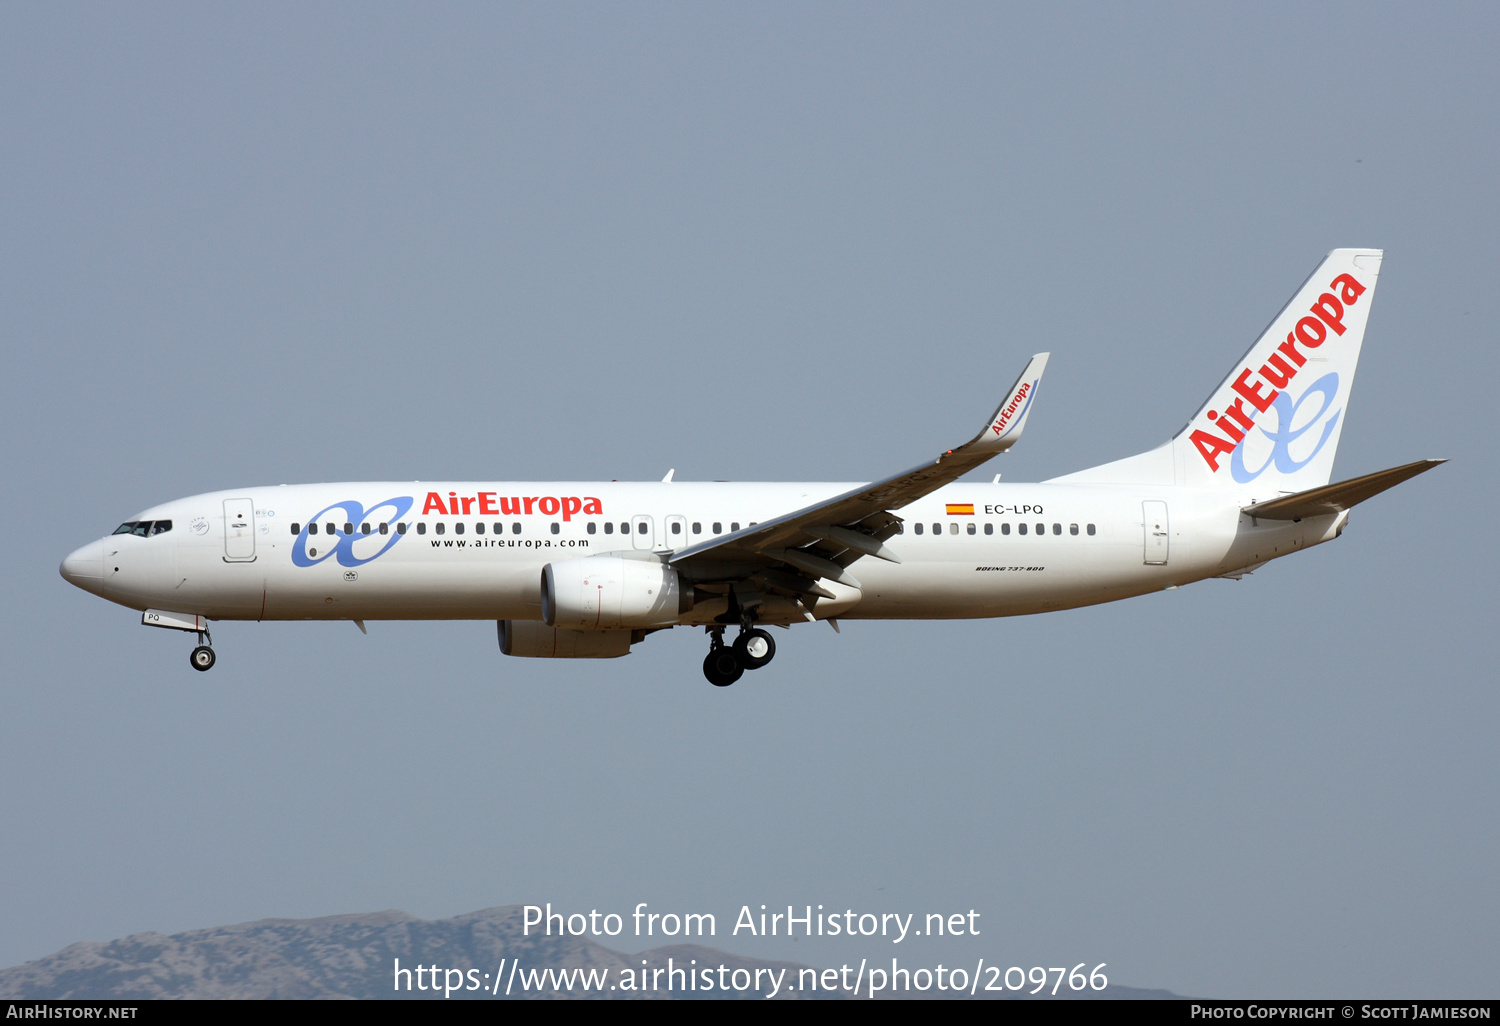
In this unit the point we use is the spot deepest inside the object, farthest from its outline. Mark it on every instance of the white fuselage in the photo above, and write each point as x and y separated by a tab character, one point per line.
249	554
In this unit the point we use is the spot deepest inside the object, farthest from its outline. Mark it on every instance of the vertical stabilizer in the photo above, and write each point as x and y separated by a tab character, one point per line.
1275	421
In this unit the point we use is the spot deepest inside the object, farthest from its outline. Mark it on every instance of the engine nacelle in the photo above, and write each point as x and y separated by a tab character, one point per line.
530	638
609	592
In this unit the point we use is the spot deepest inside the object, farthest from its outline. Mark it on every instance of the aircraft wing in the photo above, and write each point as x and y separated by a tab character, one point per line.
1337	497
821	540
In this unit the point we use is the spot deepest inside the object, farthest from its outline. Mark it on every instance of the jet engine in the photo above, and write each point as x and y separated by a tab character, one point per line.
610	592
530	638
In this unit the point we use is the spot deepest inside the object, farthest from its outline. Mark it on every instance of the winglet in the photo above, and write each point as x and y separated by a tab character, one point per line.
1004	428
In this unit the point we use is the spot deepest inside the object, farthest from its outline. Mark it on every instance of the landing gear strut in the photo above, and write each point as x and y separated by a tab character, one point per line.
203	656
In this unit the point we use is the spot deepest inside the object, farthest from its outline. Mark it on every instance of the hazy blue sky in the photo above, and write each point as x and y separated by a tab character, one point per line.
245	245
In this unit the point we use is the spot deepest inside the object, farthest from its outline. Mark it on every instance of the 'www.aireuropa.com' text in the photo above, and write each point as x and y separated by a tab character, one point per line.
511	979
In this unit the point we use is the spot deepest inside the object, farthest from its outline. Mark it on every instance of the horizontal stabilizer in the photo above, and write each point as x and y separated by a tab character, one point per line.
1336	498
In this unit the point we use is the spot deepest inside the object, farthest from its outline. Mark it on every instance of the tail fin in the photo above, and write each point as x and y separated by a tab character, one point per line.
1273	423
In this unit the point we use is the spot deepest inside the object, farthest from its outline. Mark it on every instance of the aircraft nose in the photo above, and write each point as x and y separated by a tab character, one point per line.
85	567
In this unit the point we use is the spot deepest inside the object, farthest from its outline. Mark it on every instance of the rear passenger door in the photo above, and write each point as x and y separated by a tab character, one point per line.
1158	533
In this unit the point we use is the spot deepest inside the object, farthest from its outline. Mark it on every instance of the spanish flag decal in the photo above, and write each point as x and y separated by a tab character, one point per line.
960	509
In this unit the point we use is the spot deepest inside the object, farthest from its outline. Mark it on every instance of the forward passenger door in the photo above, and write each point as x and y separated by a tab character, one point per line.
239	531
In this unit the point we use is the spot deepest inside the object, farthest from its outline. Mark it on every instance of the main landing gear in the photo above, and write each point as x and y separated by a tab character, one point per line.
725	664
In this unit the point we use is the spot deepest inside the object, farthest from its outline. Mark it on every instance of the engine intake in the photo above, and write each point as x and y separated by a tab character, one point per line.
609	592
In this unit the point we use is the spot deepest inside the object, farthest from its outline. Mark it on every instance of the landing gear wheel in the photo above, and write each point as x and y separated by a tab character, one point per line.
754	648
722	667
202	658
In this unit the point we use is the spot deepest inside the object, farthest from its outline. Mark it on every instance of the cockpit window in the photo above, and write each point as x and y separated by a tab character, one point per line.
144	528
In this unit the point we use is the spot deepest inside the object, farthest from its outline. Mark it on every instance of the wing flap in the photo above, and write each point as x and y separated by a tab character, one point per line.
1337	497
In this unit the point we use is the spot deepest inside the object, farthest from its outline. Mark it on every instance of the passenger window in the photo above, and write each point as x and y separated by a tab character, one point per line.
640	528
348	528
1041	528
515	528
1020	528
676	527
734	525
937	528
1072	528
479	528
556	527
126	527
697	527
609	527
973	529
329	529
497	527
400	528
952	527
364	528
421	527
718	527
297	529
917	528
1057	528
1091	530
989	528
385	528
1005	528
458	528
593	527
440	527
624	528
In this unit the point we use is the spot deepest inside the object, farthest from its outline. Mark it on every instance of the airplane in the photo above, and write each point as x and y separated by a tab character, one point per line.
588	570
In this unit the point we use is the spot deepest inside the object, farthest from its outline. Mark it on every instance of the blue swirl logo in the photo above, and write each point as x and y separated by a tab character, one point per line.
1281	439
343	549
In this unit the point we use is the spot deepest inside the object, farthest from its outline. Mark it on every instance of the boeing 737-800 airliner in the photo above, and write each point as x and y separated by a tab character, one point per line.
576	570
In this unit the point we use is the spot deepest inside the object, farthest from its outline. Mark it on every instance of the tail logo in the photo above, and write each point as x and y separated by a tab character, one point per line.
1288	432
1263	389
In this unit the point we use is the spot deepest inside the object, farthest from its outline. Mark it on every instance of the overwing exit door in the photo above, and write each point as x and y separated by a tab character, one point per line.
1158	533
642	532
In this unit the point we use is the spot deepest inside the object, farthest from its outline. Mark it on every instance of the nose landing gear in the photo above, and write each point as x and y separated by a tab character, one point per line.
725	664
202	657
